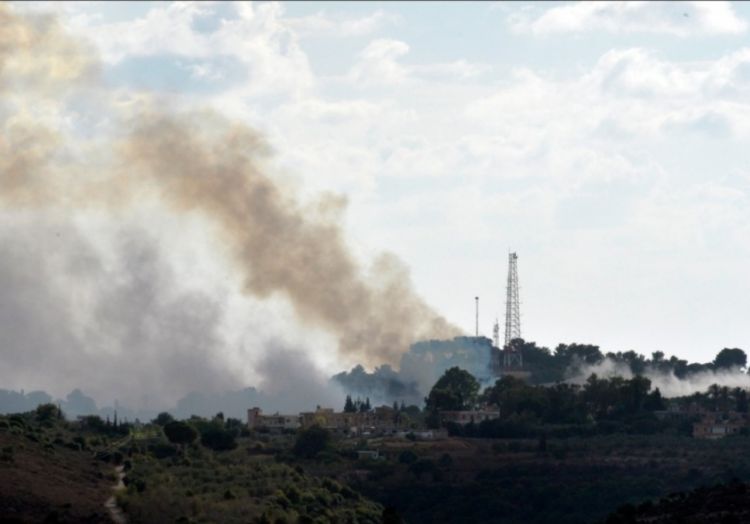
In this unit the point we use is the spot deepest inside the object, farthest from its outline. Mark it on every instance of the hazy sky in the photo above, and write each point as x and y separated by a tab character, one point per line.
608	144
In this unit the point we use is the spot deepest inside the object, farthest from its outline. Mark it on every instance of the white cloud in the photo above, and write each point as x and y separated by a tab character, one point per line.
675	18
331	25
460	69
379	63
258	37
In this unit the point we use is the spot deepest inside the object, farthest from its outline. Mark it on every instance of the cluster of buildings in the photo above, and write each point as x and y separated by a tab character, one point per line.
713	425
381	420
708	424
468	417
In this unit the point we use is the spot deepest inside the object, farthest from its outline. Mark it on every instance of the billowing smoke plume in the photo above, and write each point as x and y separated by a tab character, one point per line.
69	320
279	246
668	383
67	146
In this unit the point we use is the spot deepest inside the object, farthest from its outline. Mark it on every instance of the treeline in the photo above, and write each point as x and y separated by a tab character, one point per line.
553	366
598	406
716	398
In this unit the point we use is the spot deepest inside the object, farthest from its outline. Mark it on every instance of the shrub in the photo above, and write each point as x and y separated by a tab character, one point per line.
162	419
218	439
407	457
311	441
445	460
47	413
422	466
180	432
162	450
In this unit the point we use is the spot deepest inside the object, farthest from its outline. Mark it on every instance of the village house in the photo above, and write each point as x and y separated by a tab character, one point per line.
379	420
276	422
466	417
718	425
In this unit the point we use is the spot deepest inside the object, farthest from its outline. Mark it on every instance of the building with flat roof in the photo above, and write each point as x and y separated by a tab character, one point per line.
256	419
469	416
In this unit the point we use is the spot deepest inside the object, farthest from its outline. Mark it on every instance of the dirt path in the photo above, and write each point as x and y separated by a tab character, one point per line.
118	516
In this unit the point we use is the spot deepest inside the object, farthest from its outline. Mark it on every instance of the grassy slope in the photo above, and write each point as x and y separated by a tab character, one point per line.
41	480
48	473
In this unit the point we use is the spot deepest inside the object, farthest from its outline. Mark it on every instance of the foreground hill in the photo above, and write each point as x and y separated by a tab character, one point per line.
52	470
573	480
723	504
46	476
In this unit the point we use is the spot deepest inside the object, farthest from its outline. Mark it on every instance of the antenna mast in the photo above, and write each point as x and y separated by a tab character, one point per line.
476	319
512	305
512	316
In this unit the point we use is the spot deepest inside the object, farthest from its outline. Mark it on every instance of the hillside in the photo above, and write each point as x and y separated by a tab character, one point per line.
53	470
722	504
573	480
45	476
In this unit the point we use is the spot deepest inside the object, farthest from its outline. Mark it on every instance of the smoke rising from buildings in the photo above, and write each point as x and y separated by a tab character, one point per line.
68	145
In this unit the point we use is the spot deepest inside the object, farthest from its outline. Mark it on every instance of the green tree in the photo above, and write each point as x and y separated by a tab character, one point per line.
456	390
349	405
407	457
422	466
46	413
740	397
311	441
217	438
162	419
654	401
180	433
585	353
516	396
730	357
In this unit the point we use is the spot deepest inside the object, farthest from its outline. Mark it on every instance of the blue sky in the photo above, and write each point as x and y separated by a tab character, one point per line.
605	143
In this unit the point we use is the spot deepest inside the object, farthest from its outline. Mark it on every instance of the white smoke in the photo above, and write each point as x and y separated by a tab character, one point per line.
668	383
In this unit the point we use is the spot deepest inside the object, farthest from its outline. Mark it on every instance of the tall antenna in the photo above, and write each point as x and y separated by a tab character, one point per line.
476	319
512	304
511	356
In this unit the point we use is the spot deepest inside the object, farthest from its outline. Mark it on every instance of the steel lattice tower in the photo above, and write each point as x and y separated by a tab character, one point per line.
512	304
512	357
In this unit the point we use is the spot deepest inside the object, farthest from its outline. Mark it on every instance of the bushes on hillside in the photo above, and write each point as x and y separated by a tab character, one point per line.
311	441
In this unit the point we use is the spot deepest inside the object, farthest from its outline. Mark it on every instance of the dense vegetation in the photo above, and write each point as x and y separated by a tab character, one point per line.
727	503
553	480
175	471
236	486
